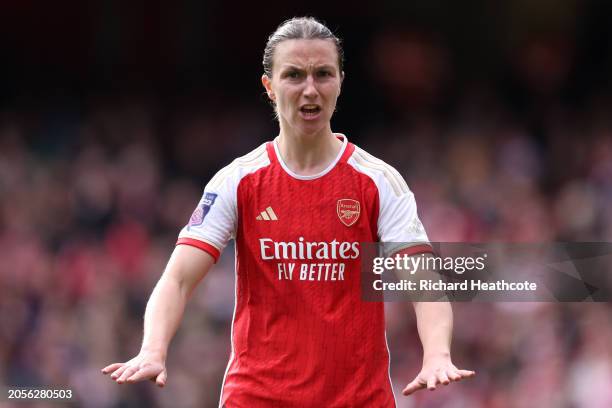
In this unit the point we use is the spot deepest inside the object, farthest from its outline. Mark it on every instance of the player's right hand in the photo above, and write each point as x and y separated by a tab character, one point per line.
145	366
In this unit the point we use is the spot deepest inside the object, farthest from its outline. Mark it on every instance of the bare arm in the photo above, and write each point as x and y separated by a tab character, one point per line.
186	268
435	326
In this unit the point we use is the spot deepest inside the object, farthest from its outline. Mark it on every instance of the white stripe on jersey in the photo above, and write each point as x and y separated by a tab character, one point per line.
253	158
398	211
393	177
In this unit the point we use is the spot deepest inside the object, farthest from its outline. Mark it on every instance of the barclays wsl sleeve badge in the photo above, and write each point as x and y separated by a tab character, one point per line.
197	218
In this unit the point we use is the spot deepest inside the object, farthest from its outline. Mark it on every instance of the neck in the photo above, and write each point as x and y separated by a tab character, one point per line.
310	154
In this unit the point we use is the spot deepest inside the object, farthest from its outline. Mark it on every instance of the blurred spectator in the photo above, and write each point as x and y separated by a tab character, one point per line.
92	200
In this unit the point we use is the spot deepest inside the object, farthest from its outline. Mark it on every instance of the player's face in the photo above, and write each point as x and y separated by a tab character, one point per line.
305	84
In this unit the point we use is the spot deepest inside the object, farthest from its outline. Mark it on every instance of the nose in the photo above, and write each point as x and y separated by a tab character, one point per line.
310	89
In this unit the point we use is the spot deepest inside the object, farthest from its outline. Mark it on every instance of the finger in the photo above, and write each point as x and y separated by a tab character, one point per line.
413	387
466	373
144	373
119	371
161	379
443	378
111	367
431	383
126	374
453	375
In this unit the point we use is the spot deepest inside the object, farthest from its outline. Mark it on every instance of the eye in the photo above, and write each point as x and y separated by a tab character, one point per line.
292	74
324	73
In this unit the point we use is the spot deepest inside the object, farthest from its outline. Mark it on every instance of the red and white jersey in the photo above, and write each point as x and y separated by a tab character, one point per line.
301	335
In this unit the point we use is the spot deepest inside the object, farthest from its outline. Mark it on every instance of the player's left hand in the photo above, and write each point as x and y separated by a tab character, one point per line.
436	370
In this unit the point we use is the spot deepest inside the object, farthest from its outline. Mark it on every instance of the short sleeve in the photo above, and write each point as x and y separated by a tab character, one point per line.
213	222
215	219
398	220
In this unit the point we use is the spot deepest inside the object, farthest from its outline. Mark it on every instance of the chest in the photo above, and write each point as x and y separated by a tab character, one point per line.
342	205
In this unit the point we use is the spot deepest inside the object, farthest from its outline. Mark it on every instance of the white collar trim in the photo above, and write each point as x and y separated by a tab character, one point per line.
314	176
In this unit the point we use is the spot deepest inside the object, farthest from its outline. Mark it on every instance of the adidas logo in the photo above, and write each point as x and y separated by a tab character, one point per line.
267	215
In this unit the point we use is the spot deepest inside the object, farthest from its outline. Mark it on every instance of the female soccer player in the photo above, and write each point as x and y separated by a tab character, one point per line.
298	207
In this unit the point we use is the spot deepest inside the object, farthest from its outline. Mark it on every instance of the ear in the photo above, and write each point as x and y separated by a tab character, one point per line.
341	82
267	84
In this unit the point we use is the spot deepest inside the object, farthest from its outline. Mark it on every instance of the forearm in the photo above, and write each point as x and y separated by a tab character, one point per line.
435	326
163	315
187	266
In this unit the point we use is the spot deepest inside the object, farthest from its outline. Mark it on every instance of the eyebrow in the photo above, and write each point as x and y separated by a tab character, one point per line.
292	66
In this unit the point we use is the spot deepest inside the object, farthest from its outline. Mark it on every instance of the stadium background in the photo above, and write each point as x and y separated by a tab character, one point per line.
114	115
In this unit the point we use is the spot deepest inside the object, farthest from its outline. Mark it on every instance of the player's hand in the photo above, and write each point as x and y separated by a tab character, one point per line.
436	370
145	366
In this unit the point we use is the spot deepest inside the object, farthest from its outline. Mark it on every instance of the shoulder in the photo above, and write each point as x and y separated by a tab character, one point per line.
385	176
240	167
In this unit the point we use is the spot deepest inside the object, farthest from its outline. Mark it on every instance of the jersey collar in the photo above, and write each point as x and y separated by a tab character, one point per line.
274	154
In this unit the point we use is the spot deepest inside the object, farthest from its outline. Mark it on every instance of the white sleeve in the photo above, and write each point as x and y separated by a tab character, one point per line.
213	222
398	219
215	219
399	223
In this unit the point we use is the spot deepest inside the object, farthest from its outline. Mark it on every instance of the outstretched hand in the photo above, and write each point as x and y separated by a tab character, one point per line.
145	366
436	370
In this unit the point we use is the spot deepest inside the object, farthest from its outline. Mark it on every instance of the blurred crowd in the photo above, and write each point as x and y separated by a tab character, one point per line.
90	211
93	195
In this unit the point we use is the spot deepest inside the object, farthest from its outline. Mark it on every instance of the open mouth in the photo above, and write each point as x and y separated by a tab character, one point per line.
310	110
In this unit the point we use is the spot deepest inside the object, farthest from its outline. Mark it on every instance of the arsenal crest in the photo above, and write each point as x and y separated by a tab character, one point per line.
348	211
